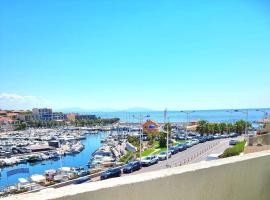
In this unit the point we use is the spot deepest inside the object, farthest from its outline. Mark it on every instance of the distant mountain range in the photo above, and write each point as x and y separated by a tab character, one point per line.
134	109
82	110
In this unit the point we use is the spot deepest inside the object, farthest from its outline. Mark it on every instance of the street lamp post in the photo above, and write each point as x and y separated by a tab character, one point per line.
168	140
230	118
264	112
187	113
141	118
167	132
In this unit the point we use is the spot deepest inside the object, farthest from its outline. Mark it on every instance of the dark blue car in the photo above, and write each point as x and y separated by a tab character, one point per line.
202	139
82	180
110	173
132	166
181	147
210	137
173	150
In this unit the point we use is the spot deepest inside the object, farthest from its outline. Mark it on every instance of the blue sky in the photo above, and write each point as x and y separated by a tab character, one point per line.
122	54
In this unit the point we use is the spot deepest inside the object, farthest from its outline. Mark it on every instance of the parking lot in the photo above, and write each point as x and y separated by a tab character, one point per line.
193	154
196	153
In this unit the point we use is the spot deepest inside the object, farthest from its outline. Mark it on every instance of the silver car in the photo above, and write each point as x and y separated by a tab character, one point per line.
149	160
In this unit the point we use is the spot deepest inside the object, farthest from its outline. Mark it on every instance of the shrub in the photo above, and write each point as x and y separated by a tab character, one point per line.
134	141
234	151
127	157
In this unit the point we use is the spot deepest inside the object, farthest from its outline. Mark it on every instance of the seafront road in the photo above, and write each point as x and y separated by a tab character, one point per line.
194	154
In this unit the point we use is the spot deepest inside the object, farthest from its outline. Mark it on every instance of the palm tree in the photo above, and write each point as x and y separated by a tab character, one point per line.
241	125
222	127
211	128
230	128
216	128
202	127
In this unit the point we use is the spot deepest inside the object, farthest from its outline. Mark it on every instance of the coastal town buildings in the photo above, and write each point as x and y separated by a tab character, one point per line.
150	126
76	116
3	113
85	117
59	116
71	116
44	114
6	123
11	119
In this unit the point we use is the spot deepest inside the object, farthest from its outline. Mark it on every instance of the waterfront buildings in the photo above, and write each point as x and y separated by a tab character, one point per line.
44	114
71	116
59	116
150	126
13	119
6	123
85	117
76	116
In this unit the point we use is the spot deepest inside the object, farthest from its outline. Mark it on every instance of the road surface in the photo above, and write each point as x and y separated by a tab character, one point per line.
194	154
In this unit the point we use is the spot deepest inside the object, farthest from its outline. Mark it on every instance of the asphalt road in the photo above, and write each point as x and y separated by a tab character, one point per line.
194	154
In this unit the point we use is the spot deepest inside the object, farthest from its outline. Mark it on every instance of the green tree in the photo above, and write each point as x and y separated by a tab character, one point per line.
21	126
241	125
216	128
222	127
133	140
168	127
162	139
230	128
202	127
151	136
211	128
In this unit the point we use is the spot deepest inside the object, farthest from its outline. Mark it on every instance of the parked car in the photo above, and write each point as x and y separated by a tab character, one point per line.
210	137
189	144
163	155
195	141
217	136
132	166
149	160
83	173
233	142
181	138
173	150
189	137
110	173
201	139
181	147
184	146
232	135
82	180
224	135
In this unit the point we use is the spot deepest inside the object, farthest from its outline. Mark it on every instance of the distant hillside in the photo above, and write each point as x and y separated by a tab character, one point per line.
82	110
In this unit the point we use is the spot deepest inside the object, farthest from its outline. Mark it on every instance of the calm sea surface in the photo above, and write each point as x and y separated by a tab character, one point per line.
177	116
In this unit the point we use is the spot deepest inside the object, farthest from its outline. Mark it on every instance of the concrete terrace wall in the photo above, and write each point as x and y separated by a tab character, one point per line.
244	177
